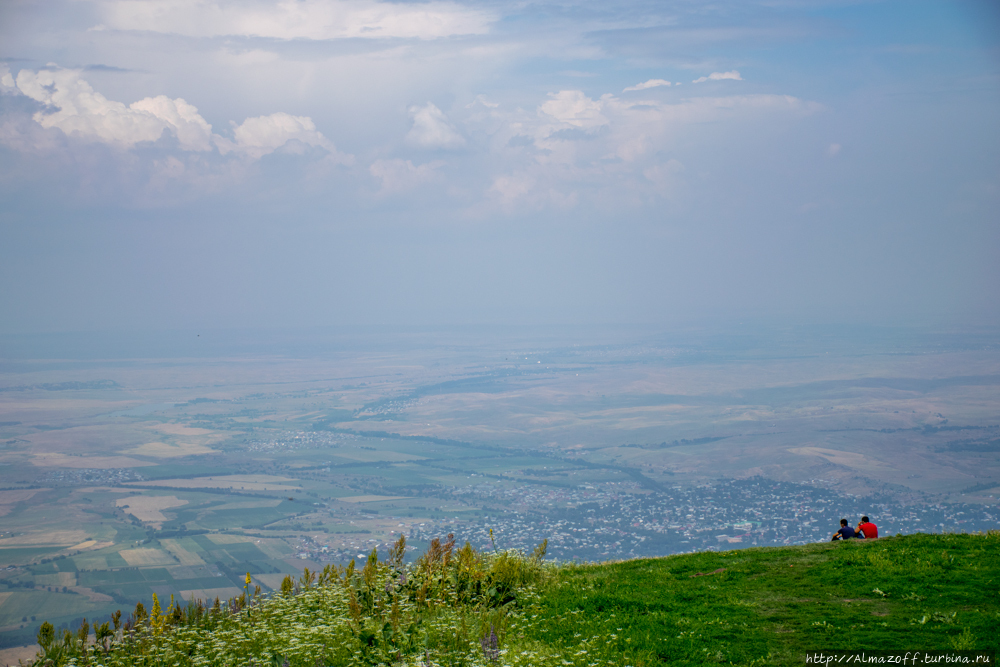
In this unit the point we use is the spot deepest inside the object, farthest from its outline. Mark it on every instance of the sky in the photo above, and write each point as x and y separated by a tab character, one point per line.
210	164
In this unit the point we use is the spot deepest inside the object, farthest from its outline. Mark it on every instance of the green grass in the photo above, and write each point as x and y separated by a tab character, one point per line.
95	562
779	603
22	555
155	574
766	606
245	551
106	577
42	606
66	565
114	559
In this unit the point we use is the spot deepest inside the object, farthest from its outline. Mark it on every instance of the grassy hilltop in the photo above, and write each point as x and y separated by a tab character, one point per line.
456	606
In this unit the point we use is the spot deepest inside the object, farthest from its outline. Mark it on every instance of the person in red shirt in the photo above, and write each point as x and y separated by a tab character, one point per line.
868	529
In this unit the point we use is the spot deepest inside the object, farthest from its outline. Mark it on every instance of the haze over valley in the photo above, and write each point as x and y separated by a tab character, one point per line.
127	477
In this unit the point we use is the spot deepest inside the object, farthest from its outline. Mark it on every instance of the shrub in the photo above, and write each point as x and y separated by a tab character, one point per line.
439	608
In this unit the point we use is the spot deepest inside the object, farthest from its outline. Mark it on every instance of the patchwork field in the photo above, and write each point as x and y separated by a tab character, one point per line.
179	476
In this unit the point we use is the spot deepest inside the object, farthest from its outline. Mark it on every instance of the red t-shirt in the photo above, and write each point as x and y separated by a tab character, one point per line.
869	529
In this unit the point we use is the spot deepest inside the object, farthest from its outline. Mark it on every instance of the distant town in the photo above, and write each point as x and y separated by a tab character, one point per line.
591	524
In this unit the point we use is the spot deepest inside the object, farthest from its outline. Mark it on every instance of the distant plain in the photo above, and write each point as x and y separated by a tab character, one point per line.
122	477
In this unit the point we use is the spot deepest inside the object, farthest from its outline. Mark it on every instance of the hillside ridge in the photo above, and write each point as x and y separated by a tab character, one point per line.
458	606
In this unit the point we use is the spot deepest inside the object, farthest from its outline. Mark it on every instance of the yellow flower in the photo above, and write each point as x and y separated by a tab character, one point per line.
248	578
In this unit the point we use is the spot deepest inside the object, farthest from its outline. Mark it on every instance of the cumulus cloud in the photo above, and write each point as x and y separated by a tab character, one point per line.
74	107
719	76
431	129
7	84
296	19
574	108
258	136
612	149
652	83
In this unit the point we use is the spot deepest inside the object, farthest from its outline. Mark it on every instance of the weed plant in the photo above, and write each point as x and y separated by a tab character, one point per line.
436	611
458	606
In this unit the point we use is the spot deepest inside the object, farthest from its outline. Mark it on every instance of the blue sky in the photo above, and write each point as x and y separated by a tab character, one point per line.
189	163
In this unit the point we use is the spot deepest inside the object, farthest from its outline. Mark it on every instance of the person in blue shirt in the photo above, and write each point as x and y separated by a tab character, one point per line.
845	532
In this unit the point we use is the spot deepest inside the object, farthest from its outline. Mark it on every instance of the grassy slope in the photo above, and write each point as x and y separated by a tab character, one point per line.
767	606
779	603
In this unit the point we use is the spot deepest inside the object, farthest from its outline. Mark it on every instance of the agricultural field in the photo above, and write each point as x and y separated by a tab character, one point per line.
123	478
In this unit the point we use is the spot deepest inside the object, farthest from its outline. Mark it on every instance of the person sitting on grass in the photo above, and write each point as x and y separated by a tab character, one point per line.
845	532
867	528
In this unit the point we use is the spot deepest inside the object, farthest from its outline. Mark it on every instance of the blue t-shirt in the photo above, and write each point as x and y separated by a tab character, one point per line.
846	533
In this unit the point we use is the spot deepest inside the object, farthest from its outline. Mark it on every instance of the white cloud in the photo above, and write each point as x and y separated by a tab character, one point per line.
401	175
612	149
296	19
719	76
192	130
258	136
7	84
574	108
652	83
431	129
481	99
75	108
78	110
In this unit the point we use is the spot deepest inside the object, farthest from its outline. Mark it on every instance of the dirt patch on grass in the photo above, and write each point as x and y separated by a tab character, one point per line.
849	459
62	538
56	460
149	508
181	429
369	499
91	594
168	450
244	482
229	539
12	496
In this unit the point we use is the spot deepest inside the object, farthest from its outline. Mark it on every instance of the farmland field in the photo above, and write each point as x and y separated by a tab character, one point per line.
180	475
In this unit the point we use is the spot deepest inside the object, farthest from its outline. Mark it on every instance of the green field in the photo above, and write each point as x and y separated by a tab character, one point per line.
764	606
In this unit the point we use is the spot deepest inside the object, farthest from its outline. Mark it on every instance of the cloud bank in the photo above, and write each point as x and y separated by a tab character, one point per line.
296	19
570	147
71	105
515	162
